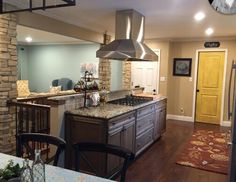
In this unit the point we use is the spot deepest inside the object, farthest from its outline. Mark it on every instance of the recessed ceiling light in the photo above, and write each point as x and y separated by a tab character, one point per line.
28	39
209	31
199	16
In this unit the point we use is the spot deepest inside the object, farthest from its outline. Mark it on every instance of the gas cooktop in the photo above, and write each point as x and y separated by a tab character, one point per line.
131	100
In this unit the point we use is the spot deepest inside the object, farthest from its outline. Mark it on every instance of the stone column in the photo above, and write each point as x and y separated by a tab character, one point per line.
105	68
126	79
105	73
8	77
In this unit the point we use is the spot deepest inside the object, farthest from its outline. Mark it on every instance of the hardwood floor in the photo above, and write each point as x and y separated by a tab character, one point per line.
157	164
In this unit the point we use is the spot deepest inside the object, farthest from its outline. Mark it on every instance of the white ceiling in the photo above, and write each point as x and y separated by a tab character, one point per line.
42	37
164	18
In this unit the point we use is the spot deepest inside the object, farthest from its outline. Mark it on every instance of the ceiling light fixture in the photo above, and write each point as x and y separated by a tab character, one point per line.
199	16
209	31
28	39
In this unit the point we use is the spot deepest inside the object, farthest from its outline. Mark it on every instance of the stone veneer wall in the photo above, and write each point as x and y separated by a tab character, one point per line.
126	79
8	77
105	68
105	73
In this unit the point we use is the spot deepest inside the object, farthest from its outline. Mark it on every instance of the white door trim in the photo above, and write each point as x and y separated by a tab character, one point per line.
195	80
158	52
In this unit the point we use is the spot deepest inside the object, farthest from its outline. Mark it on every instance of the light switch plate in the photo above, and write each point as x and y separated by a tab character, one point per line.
190	79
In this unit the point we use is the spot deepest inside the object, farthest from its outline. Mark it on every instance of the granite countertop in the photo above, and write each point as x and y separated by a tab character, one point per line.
108	111
105	111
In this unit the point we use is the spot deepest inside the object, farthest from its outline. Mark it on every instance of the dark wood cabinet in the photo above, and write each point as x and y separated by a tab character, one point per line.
144	128
135	130
159	119
157	127
163	120
122	135
118	131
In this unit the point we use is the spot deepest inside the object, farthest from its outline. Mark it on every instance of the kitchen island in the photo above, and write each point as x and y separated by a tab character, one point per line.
133	127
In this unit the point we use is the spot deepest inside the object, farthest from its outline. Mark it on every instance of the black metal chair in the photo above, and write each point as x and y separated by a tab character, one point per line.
28	142
126	155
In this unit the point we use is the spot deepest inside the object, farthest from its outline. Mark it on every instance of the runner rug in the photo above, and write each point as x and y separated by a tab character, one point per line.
206	150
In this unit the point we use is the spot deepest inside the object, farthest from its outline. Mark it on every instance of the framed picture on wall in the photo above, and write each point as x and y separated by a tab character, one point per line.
182	66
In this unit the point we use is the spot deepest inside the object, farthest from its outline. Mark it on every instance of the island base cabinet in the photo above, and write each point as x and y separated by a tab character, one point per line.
159	119
81	129
163	120
121	136
118	131
144	140
157	127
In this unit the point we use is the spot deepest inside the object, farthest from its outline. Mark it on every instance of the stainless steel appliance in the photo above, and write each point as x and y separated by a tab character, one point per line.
131	100
129	39
232	116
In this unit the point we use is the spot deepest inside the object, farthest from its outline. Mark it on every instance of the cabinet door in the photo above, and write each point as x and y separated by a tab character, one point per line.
114	138
128	136
163	120
157	129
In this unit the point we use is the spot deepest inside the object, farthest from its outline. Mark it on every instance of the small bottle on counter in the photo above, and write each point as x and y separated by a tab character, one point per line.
38	168
26	173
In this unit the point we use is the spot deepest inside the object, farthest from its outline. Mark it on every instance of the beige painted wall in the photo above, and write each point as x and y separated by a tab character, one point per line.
179	89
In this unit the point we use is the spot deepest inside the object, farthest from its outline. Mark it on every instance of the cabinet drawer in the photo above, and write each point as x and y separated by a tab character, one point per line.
145	110
144	123
120	121
144	140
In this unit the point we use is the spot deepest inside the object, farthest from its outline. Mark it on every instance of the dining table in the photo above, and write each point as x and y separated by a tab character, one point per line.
53	173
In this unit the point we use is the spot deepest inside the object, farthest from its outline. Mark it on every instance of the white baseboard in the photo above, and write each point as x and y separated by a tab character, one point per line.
181	118
226	123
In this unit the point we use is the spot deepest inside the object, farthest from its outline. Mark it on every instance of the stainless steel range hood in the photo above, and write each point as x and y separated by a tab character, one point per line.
128	44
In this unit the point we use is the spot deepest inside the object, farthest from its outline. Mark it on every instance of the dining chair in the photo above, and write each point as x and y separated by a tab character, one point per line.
126	155
28	142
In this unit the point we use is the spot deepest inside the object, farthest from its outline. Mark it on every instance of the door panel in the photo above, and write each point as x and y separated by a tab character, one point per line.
207	100
209	86
146	74
114	138
128	136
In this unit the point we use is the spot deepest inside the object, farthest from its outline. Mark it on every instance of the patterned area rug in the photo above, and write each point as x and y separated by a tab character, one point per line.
206	150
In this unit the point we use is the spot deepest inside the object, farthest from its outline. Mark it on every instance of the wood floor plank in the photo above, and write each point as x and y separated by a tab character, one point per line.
157	163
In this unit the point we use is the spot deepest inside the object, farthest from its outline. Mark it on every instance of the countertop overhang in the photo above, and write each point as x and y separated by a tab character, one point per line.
109	111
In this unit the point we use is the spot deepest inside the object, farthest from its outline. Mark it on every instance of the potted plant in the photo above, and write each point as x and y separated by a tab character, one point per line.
11	173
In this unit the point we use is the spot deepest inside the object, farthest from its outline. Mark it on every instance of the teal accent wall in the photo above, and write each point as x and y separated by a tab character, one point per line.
22	62
116	75
40	64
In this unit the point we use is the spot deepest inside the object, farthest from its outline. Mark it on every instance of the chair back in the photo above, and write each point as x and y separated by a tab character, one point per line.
55	82
123	153
28	142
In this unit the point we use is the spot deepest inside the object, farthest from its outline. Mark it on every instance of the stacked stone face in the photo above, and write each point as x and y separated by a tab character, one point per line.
105	73
126	79
105	68
8	77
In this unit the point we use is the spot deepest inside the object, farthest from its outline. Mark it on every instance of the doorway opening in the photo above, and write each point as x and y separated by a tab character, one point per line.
146	74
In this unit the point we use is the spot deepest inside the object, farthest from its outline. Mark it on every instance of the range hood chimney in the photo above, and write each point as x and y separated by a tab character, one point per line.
128	44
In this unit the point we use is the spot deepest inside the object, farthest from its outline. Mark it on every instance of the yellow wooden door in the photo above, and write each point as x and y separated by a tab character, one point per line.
209	87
